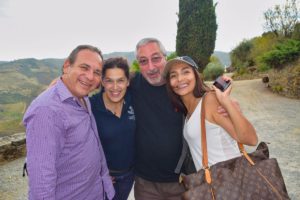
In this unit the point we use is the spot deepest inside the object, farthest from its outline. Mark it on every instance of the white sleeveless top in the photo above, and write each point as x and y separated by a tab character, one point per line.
220	145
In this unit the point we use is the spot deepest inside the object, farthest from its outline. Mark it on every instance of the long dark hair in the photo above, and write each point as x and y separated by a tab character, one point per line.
199	91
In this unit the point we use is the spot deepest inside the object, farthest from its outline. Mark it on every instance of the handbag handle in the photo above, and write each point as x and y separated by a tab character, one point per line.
204	145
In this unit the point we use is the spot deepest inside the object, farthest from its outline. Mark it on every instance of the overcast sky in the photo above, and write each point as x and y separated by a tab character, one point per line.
52	28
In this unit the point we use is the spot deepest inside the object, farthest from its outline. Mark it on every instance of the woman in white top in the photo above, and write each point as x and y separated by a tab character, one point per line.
186	88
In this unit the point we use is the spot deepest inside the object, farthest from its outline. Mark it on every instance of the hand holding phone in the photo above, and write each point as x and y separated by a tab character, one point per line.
221	83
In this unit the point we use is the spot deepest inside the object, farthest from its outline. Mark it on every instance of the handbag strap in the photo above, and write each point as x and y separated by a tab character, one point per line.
204	145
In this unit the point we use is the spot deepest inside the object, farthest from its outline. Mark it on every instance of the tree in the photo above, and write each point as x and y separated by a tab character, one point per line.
171	56
196	30
282	19
296	32
241	56
214	69
263	44
135	67
285	52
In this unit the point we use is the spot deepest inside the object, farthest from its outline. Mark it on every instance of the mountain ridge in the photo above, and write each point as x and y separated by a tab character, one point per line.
24	78
130	55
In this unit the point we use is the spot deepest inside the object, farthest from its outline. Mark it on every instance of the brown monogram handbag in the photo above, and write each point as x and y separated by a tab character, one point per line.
250	176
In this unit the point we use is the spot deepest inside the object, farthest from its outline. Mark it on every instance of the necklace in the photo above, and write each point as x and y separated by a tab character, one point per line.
113	112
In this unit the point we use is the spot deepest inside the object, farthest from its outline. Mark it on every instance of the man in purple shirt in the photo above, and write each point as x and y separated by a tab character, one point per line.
65	158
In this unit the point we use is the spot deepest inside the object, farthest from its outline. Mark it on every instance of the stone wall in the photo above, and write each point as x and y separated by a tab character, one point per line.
12	147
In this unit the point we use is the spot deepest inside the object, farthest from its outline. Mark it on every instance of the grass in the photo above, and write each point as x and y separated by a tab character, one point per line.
10	127
11	118
12	111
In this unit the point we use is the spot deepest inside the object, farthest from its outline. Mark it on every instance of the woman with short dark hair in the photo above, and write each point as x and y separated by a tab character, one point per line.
115	119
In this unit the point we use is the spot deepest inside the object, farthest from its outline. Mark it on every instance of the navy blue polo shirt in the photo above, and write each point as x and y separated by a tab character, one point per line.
117	135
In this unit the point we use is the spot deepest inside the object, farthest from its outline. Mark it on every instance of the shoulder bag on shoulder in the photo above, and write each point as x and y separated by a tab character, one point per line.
250	176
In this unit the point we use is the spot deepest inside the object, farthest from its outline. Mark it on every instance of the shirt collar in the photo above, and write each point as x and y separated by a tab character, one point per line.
63	92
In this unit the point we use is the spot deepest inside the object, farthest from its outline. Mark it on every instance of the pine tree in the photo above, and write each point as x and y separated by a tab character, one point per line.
196	30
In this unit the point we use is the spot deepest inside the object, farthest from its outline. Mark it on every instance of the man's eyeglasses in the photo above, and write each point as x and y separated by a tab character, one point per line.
154	60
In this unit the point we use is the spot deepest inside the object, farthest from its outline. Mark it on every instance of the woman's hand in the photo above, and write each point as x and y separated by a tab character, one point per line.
238	126
113	179
223	97
222	111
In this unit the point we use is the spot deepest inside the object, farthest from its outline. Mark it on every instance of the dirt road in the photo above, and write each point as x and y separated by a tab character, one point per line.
276	119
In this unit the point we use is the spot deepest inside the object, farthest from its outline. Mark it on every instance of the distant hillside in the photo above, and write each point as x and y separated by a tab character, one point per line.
223	57
23	79
20	82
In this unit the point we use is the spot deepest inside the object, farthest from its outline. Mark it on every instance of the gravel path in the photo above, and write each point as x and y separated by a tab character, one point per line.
13	186
276	119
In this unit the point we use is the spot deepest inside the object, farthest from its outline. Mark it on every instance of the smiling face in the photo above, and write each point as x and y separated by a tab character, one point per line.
84	75
182	79
115	84
152	63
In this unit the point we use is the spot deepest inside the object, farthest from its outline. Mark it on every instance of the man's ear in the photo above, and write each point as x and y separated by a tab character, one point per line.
66	66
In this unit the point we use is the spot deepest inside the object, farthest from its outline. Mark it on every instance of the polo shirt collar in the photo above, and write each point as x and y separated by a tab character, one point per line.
101	106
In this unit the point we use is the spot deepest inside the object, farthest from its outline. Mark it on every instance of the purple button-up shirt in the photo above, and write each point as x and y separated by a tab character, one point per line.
65	158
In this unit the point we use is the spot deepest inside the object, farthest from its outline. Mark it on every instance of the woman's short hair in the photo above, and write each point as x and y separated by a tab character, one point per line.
116	62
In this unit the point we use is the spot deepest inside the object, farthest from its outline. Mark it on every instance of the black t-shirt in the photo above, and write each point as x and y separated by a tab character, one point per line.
158	132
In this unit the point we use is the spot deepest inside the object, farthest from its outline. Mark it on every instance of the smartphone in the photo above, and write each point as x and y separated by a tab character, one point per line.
221	83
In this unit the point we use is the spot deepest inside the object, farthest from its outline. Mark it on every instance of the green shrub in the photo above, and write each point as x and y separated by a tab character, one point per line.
241	55
242	70
135	67
263	44
283	53
172	55
277	88
212	71
263	68
296	32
